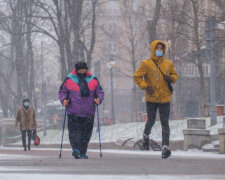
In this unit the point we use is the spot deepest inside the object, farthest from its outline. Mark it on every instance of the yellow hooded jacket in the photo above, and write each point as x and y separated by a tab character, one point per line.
148	74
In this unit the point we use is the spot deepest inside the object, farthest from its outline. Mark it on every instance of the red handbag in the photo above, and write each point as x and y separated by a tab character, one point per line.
37	140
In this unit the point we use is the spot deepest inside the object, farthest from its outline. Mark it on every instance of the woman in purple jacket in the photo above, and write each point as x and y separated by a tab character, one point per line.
80	92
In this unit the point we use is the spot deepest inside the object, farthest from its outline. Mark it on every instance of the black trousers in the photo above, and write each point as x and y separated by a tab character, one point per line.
164	112
80	131
28	132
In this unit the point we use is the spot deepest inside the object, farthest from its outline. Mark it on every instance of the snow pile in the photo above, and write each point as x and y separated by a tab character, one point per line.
120	131
211	145
130	130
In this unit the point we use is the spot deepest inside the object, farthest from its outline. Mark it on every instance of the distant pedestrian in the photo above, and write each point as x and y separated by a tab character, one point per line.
80	92
26	119
155	76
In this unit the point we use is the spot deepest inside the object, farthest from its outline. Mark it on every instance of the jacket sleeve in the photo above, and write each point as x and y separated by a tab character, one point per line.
18	117
63	92
99	91
138	76
173	74
34	119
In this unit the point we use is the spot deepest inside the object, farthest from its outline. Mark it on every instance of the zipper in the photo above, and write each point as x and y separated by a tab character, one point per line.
82	107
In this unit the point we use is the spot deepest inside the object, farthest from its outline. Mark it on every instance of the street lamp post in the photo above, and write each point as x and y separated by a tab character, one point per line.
111	65
36	91
168	45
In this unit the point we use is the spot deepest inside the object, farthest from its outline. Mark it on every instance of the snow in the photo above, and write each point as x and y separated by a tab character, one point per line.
23	176
130	130
24	172
103	177
211	145
15	156
178	153
119	131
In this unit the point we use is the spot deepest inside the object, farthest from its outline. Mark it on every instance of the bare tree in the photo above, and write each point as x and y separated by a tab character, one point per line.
128	36
152	23
67	19
174	16
19	55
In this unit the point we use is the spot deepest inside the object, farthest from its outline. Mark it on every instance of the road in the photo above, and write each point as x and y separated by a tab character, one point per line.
135	163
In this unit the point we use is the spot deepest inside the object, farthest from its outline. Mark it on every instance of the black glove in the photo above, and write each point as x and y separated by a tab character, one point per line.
168	79
149	90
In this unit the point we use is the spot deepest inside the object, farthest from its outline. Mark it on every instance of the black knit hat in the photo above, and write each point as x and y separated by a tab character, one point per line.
81	65
26	100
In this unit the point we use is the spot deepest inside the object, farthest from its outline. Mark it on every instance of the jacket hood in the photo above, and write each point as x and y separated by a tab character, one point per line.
153	47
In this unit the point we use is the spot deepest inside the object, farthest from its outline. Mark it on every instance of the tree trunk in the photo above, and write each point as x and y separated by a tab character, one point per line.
30	58
152	24
203	107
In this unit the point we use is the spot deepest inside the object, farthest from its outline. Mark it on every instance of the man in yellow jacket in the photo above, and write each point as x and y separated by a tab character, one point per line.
155	76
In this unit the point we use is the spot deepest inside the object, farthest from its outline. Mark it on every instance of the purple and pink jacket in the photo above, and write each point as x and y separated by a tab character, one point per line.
80	106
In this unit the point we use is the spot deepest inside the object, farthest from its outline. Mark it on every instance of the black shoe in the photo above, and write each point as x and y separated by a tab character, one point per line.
146	142
76	154
165	153
25	149
28	148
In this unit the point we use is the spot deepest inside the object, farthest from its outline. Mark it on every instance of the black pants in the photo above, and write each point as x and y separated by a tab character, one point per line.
80	131
24	138
164	112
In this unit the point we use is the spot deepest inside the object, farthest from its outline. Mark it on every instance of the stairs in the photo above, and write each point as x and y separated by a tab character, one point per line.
213	147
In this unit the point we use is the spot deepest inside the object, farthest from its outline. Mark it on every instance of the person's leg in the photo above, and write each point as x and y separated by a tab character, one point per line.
87	132
29	138
151	114
164	111
74	134
24	139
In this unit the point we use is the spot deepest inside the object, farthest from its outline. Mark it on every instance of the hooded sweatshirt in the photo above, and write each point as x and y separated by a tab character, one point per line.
148	74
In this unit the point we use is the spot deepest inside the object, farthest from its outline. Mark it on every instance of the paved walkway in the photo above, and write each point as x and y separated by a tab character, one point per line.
134	163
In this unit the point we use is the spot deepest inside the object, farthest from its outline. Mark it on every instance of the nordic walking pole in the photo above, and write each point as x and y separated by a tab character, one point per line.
64	122
99	135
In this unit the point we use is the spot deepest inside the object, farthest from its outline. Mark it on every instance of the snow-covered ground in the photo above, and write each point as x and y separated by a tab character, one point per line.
8	172
24	172
130	130
178	153
21	176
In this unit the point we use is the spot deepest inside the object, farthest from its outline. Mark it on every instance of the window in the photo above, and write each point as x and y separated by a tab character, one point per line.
191	70
206	69
135	5
112	26
112	48
113	7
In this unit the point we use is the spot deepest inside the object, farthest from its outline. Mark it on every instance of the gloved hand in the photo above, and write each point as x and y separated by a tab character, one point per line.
168	79
97	101
149	90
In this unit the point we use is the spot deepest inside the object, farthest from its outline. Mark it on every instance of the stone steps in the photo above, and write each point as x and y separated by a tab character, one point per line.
211	150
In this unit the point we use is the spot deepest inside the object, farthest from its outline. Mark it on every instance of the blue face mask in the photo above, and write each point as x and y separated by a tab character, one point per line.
26	104
159	53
